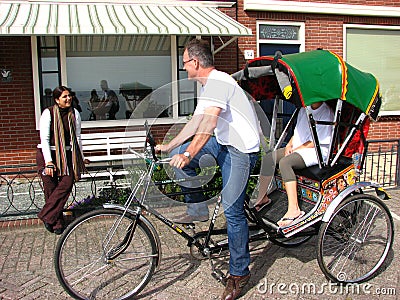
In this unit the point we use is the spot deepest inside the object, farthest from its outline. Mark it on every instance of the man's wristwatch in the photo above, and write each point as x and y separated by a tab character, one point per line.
187	154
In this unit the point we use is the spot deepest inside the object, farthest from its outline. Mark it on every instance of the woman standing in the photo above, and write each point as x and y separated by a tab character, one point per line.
59	156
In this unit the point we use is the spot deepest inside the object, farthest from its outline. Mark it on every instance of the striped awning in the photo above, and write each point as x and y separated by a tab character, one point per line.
49	18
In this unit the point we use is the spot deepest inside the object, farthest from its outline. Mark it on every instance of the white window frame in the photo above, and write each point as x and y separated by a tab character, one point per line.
35	79
359	26
300	41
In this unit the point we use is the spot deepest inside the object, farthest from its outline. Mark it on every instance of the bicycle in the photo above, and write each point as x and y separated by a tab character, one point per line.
126	246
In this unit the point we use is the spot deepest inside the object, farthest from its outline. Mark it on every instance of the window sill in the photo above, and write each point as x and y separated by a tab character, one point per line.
389	113
132	122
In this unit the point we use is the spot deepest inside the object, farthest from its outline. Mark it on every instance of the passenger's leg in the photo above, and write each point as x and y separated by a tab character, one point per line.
293	205
262	198
267	171
287	165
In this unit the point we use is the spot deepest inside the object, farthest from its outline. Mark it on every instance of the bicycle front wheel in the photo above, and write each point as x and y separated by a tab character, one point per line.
87	266
354	243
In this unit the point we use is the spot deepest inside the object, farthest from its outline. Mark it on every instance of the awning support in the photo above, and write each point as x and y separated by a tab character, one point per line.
225	44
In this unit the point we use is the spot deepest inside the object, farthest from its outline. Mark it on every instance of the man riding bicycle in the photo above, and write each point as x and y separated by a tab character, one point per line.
223	125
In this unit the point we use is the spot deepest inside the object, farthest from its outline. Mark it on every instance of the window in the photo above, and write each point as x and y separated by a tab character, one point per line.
49	69
124	68
288	38
276	36
112	74
375	50
187	89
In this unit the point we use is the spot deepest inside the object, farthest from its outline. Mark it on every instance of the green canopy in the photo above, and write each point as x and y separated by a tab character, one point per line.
309	77
322	75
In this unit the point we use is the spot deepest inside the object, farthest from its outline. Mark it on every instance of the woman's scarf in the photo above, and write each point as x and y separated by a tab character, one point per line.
61	152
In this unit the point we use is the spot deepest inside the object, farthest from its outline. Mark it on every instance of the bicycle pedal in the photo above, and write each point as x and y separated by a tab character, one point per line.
219	276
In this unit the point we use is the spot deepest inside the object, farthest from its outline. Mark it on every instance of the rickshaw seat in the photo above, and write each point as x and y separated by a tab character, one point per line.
320	174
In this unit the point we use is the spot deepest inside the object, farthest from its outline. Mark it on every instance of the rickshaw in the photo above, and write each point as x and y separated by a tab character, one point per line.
355	228
112	252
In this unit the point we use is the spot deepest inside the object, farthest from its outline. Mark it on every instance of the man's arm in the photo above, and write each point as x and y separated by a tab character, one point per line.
202	135
187	132
205	130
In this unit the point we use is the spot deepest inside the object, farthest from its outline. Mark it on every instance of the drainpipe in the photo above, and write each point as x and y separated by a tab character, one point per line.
237	44
398	164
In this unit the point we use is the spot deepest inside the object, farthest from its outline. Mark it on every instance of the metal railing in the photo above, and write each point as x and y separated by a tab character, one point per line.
382	162
21	192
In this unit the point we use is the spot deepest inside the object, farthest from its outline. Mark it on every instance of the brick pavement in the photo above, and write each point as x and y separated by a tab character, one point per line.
27	272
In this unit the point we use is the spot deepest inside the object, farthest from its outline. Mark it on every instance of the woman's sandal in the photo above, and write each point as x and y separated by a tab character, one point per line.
260	206
291	219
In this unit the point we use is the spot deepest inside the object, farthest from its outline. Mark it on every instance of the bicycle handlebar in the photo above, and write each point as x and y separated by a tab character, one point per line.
150	140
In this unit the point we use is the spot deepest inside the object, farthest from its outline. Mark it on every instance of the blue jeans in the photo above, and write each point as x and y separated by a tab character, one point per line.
235	169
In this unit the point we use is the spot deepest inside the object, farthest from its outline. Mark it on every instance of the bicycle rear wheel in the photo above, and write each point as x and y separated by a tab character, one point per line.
82	262
354	243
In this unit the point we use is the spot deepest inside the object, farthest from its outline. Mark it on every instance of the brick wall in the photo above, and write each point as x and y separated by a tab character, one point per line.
17	119
227	60
385	128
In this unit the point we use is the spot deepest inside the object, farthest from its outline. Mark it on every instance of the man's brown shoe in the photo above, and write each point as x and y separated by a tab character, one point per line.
234	286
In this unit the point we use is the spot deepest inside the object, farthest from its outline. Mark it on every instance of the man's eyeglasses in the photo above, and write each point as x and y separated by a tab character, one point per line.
185	62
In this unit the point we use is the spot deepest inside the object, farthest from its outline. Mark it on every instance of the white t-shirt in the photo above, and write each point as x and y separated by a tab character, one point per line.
302	133
237	123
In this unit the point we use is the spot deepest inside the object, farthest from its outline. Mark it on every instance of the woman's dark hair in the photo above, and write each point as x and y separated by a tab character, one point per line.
200	50
57	92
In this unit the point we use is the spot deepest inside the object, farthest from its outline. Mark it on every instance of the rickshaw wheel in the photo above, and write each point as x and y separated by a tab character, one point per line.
354	243
291	241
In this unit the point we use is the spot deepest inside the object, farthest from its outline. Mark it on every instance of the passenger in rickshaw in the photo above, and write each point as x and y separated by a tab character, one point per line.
299	153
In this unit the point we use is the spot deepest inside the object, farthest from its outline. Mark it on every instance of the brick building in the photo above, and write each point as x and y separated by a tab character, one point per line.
45	44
